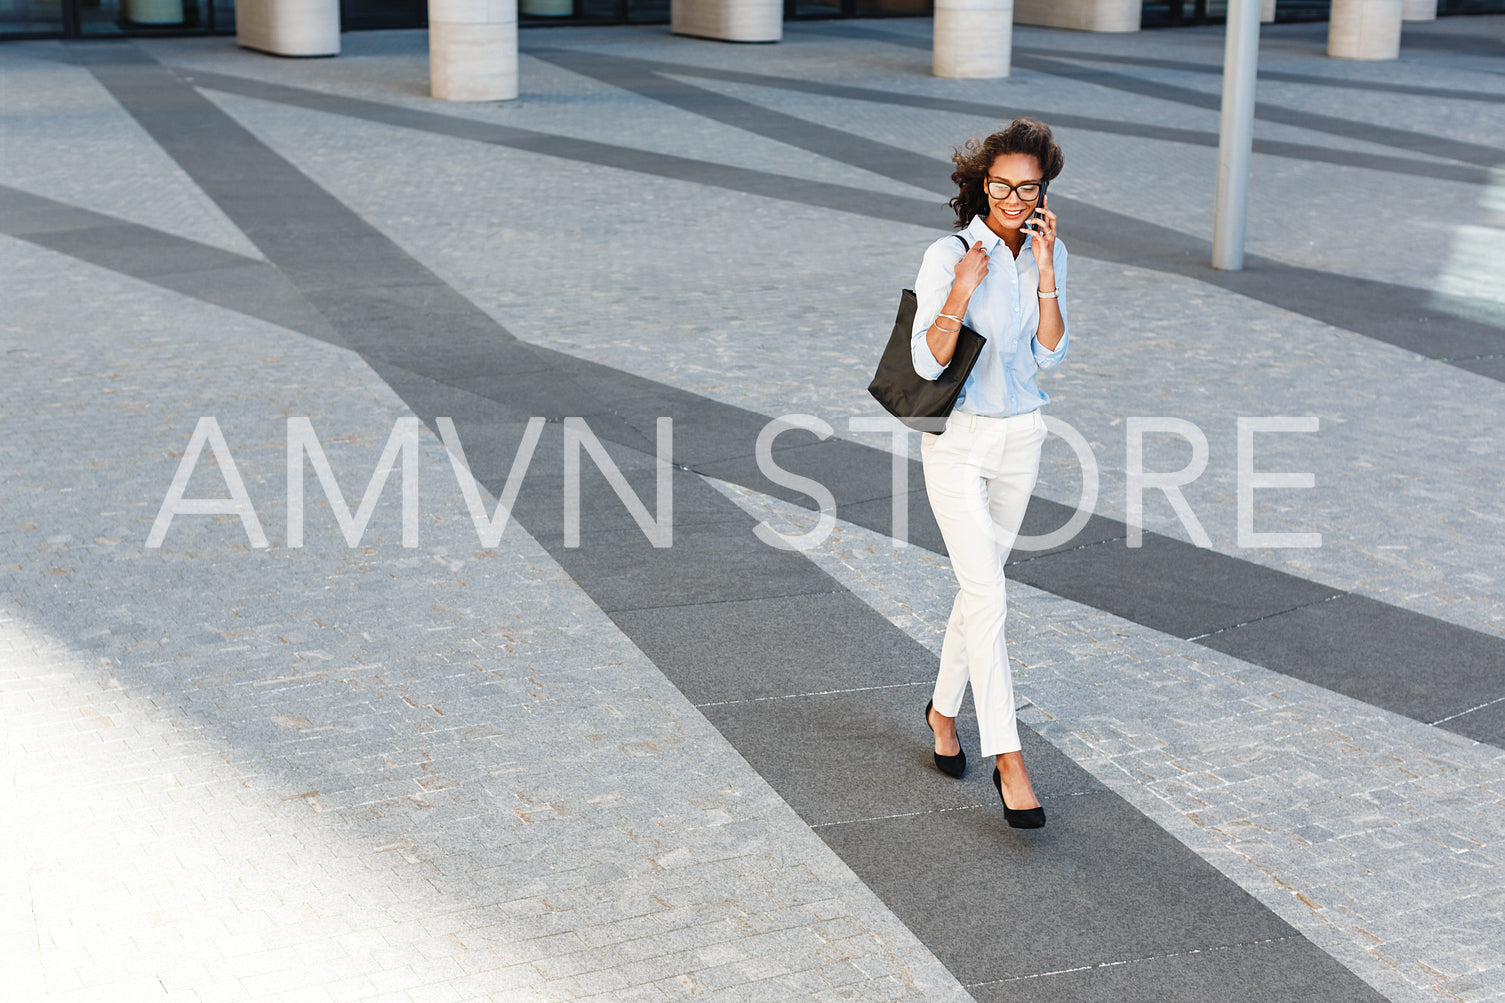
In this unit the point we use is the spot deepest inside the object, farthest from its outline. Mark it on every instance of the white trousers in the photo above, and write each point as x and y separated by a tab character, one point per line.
979	474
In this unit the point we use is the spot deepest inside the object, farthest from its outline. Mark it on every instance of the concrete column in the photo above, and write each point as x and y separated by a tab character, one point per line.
973	38
473	50
1266	11
728	20
1364	29
1418	10
1080	15
289	27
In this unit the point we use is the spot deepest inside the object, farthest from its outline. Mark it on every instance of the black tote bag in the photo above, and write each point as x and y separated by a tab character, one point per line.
920	403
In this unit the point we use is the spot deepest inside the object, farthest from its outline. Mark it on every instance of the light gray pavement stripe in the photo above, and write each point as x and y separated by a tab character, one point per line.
1354	645
1113	578
1402	139
337	773
1212	69
212	274
1289	786
768	185
1143	130
1399	315
1405	139
461	235
620	572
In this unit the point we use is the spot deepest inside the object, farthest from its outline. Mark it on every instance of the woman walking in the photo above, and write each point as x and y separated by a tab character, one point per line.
1007	285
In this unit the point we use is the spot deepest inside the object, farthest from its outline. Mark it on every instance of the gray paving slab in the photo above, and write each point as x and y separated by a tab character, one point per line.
1377	309
620	571
695	569
1087	123
1203	593
304	785
996	911
1271	75
834	756
1264	967
1405	139
238	282
1430	681
736	650
115	169
1198	743
1314	802
369	323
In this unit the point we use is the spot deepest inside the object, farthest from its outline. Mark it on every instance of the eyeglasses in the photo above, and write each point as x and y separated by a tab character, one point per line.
1028	191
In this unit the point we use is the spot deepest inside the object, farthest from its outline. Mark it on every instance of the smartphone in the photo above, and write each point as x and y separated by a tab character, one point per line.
1037	214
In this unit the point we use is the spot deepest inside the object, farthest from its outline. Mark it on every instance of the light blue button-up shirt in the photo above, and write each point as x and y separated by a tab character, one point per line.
1004	309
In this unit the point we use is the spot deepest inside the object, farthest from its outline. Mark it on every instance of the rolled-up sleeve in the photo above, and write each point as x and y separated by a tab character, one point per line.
931	287
1046	358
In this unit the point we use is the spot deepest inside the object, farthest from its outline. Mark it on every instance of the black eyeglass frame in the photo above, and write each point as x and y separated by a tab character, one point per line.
988	183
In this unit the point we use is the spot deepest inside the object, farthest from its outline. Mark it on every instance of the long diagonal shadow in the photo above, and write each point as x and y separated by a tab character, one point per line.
1384	135
730	621
995	112
1398	315
1369	650
1279	76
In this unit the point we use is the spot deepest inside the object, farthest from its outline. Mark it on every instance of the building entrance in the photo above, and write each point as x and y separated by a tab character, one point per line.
102	18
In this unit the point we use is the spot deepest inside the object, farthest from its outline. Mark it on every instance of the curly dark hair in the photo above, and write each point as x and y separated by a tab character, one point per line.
1023	135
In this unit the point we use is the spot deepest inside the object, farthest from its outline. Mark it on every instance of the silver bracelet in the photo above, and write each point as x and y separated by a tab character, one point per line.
1048	295
950	316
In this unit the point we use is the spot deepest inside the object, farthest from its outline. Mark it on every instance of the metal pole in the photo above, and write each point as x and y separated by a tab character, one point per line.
1235	134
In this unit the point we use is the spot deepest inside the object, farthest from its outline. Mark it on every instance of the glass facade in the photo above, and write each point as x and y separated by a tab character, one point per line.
800	9
546	12
96	18
1173	13
104	18
31	17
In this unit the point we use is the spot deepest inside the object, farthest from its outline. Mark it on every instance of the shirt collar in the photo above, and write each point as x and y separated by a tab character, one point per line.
978	230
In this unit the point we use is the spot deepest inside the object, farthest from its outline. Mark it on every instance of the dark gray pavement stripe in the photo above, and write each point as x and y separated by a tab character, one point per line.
649	80
221	277
763	183
1217	600
1170	586
1399	315
747	636
1405	139
717	562
1140	130
1216	70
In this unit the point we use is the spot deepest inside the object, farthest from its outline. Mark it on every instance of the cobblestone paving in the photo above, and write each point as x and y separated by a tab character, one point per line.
377	773
1377	837
331	774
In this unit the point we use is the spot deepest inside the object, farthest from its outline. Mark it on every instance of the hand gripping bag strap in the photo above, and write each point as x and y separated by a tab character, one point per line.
920	403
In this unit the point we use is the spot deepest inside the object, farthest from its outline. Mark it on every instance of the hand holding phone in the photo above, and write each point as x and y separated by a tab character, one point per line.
1035	224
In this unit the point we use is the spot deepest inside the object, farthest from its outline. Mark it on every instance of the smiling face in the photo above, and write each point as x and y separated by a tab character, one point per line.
1013	170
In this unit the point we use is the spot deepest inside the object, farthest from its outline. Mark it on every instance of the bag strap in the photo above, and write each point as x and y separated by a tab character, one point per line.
965	246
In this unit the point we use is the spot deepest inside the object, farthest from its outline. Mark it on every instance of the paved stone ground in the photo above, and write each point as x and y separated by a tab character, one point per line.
1375	836
443	773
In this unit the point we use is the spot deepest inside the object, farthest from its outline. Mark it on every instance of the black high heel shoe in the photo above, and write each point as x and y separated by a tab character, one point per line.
1018	818
952	766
